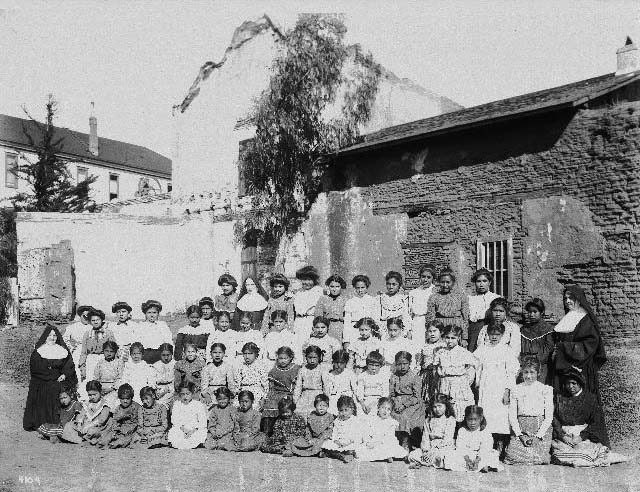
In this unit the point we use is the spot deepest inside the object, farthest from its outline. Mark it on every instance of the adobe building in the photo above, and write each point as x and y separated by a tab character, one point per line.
543	189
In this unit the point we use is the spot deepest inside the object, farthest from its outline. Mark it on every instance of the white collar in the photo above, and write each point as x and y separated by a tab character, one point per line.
570	320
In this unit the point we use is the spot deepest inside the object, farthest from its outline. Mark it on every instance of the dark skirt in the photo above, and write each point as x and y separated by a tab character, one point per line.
474	331
43	404
151	356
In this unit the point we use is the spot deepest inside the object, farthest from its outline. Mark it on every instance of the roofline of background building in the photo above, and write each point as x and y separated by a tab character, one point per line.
95	162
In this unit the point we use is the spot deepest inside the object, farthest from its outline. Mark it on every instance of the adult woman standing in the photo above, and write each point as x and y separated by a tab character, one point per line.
449	306
51	364
151	332
579	343
305	302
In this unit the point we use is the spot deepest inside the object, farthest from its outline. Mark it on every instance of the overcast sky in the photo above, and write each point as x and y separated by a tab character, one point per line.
137	59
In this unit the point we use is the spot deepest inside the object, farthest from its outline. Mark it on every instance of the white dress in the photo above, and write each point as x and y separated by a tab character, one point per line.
355	309
193	415
497	370
389	348
340	384
395	306
228	338
243	337
304	304
347	435
152	335
124	336
380	442
165	381
418	299
276	339
474	444
510	338
479	305
370	388
360	348
138	375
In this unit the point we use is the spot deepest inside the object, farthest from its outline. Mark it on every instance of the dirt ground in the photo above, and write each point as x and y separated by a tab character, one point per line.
28	463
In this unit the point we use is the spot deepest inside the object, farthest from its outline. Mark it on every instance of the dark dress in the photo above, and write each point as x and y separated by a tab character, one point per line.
182	339
281	384
583	349
408	407
580	410
538	340
284	433
43	405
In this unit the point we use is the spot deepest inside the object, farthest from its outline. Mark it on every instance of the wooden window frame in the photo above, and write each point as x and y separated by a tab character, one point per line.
483	246
10	175
117	180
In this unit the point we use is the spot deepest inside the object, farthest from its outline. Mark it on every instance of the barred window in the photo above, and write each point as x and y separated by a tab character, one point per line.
497	257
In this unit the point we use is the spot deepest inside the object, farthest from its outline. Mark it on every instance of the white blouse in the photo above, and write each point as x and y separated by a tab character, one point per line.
152	335
305	301
531	400
357	308
479	305
418	299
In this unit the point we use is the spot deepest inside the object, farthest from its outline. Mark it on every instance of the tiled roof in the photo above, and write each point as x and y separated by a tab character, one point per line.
116	205
76	144
569	95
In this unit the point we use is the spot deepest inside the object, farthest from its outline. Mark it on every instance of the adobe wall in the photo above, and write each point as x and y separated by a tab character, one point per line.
111	257
565	187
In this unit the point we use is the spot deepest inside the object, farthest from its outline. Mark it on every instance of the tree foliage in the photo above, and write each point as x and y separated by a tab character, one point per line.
51	187
320	93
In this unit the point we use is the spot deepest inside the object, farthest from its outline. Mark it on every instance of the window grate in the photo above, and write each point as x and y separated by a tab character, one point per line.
497	257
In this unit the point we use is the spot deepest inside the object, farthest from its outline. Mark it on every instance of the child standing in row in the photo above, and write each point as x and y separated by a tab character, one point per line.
394	342
426	359
418	302
449	306
331	306
341	381
479	310
320	338
456	371
123	328
280	299
225	335
193	333
367	342
305	302
361	305
496	376
279	336
282	380
109	372
394	302
137	372
217	374
500	313
246	334
372	384
226	301
93	342
165	373
251	375
311	381
189	369
437	435
405	388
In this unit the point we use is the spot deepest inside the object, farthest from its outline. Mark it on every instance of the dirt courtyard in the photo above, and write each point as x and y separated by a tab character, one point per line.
29	463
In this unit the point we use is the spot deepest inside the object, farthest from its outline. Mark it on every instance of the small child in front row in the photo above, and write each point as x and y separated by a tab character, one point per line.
165	374
189	368
456	371
70	408
289	426
318	430
380	443
188	419
437	435
153	420
109	372
251	374
348	432
311	381
92	421
246	435
474	445
341	381
320	338
372	384
124	421
367	342
221	419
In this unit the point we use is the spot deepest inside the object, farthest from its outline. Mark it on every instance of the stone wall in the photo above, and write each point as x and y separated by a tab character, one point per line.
112	257
564	187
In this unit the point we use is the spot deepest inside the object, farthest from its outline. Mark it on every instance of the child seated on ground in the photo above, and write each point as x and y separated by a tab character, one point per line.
92	421
380	443
70	408
318	430
153	420
188	419
124	421
165	373
221	420
348	432
474	445
437	435
289	427
246	435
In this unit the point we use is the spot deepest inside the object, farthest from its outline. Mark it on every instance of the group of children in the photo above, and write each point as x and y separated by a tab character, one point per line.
371	378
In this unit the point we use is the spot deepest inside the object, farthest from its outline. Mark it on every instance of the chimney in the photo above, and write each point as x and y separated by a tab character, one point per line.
93	131
628	58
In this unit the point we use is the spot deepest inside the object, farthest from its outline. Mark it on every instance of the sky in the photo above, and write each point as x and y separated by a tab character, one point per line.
136	60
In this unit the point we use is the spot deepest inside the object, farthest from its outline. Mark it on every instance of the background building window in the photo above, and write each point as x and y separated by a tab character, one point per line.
169	187
11	166
113	187
497	257
83	174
